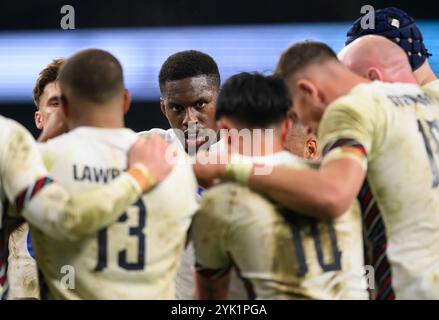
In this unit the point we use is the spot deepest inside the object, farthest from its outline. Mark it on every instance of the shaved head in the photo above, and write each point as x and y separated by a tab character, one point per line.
377	58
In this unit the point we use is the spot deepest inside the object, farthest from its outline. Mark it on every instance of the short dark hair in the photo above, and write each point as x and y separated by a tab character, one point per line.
254	99
188	64
92	75
301	55
48	75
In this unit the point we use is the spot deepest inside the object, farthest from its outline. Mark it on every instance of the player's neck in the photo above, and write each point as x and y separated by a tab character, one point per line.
106	115
268	144
343	81
424	74
99	120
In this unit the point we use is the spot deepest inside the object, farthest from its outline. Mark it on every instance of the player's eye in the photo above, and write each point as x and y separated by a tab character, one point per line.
55	103
176	108
200	104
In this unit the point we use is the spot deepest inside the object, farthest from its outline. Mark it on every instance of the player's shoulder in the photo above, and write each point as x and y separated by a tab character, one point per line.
56	144
13	133
376	91
8	126
7	123
83	135
389	95
356	100
379	87
166	134
52	150
363	100
231	200
223	191
432	88
147	133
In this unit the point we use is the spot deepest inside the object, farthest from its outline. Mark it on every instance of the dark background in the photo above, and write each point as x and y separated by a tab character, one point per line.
129	13
40	15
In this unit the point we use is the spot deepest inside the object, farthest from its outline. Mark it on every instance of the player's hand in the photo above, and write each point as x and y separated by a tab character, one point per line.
155	154
54	125
210	172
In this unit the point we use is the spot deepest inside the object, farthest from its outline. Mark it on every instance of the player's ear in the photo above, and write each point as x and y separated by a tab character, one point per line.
374	74
162	106
286	126
39	119
223	124
309	90
311	152
126	101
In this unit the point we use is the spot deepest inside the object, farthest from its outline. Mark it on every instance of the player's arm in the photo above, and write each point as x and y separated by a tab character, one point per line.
327	192
347	134
50	208
57	213
47	206
213	263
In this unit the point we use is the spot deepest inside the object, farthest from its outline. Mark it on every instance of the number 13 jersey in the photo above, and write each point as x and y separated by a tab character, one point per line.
135	257
397	128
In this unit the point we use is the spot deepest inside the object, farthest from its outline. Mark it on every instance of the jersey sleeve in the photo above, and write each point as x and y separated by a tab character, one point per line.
21	163
351	128
47	205
209	235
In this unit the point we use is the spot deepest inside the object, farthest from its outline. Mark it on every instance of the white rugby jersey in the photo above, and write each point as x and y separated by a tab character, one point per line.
135	257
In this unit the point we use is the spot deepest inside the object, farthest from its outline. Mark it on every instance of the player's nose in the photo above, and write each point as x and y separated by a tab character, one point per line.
190	117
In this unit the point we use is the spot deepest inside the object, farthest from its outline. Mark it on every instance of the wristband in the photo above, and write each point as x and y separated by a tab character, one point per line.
142	176
239	169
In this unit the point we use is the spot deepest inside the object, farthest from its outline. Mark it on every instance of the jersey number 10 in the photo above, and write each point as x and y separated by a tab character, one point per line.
137	231
297	225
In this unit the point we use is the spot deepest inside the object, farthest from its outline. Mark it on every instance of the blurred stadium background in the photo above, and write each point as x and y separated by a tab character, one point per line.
240	35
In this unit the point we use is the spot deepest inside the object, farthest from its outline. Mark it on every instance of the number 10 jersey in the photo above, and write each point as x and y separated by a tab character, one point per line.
278	253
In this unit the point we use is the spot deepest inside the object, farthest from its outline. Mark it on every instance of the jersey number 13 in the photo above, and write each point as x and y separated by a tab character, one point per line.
136	231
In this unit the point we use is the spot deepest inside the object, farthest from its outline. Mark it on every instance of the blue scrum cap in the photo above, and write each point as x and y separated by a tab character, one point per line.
399	27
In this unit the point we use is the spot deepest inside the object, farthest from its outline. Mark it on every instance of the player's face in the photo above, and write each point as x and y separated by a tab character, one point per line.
298	142
189	105
50	102
307	106
296	137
